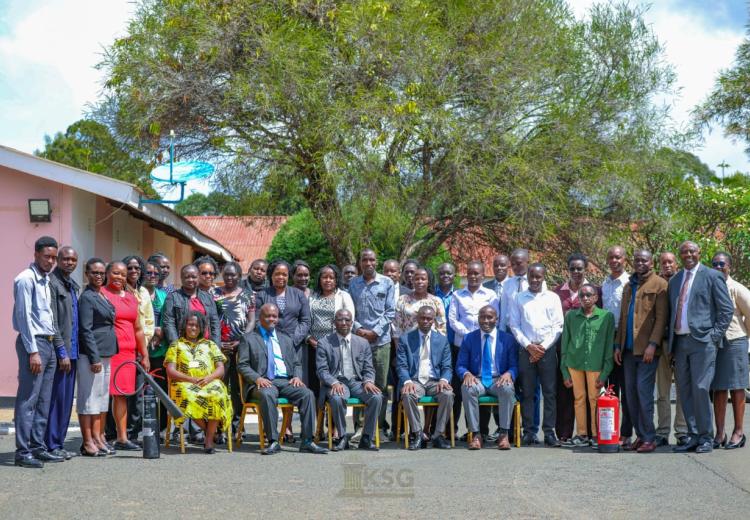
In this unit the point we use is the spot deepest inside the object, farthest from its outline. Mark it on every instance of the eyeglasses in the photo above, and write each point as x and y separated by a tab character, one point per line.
133	268
208	273
152	274
97	273
719	264
576	269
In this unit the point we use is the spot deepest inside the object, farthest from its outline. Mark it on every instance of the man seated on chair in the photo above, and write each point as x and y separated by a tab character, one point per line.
488	363
423	364
269	364
345	369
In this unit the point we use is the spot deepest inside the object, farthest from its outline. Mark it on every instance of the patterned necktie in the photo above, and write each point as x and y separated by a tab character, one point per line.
487	362
423	358
520	284
681	301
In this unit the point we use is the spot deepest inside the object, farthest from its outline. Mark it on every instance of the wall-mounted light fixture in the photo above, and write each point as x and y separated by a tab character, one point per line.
39	210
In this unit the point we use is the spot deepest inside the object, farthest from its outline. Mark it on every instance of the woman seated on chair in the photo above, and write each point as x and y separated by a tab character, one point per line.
195	366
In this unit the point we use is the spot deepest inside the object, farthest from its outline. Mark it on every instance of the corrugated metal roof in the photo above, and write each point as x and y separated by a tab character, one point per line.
249	237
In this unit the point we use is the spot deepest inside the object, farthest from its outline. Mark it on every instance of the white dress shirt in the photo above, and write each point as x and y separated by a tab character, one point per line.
463	314
512	285
612	294
537	318
684	318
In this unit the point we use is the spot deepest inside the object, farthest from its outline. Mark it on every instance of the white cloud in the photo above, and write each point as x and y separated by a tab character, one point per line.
48	60
698	50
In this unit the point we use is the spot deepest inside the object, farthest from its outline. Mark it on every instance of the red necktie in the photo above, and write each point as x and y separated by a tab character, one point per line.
681	301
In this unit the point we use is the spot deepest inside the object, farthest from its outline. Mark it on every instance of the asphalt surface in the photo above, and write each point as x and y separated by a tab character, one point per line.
524	483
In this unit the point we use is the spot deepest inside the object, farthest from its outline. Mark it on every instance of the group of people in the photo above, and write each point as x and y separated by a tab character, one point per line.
355	332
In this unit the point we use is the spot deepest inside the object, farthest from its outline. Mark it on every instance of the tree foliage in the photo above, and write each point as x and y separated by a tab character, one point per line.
300	237
90	146
416	119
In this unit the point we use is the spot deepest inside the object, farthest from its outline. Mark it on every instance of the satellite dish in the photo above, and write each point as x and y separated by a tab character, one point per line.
182	171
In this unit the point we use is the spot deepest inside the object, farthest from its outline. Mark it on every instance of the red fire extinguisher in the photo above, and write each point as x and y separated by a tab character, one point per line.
608	421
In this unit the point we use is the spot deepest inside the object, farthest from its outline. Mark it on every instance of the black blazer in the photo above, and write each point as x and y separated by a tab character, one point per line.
176	307
62	307
96	326
252	358
295	320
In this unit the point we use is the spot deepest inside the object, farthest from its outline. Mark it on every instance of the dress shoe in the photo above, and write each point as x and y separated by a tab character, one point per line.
415	441
441	443
97	453
310	447
476	442
46	456
62	453
503	443
29	462
272	448
341	444
109	449
209	451
705	447
689	445
127	446
735	445
646	447
464	438
633	446
366	443
682	439
661	440
493	437
529	439
551	441
625	443
717	444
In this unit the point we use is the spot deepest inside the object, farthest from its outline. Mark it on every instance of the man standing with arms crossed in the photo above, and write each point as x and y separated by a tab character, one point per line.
375	309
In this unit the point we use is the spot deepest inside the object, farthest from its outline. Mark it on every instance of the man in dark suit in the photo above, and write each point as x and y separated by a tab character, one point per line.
488	364
423	364
701	311
345	369
268	362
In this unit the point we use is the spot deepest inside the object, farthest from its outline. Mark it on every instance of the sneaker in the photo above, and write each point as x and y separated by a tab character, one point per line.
357	436
385	436
594	443
579	441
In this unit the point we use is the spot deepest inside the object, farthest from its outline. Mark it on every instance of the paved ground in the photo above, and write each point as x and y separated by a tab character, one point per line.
524	483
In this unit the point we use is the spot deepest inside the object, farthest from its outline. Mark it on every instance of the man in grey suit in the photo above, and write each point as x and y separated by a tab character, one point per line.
423	364
701	311
345	369
268	362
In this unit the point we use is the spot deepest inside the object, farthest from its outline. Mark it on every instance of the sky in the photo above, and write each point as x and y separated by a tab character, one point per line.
49	49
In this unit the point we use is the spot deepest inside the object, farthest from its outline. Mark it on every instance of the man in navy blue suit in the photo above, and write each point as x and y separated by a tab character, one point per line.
423	363
488	363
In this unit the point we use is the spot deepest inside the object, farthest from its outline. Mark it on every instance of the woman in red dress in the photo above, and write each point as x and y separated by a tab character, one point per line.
130	339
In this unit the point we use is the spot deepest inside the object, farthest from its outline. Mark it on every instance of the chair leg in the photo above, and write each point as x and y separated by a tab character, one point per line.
261	432
229	439
517	413
329	418
319	423
398	423
182	438
286	420
377	432
453	429
168	431
469	437
241	426
402	414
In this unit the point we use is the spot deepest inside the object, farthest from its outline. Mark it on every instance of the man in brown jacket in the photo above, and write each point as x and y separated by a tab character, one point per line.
645	310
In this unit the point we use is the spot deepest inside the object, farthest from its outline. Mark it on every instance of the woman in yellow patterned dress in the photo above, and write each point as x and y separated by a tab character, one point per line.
195	366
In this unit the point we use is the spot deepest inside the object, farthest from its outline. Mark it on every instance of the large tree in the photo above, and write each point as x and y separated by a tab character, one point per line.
429	117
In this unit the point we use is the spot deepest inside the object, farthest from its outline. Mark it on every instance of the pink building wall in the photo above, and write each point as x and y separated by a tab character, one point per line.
73	225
